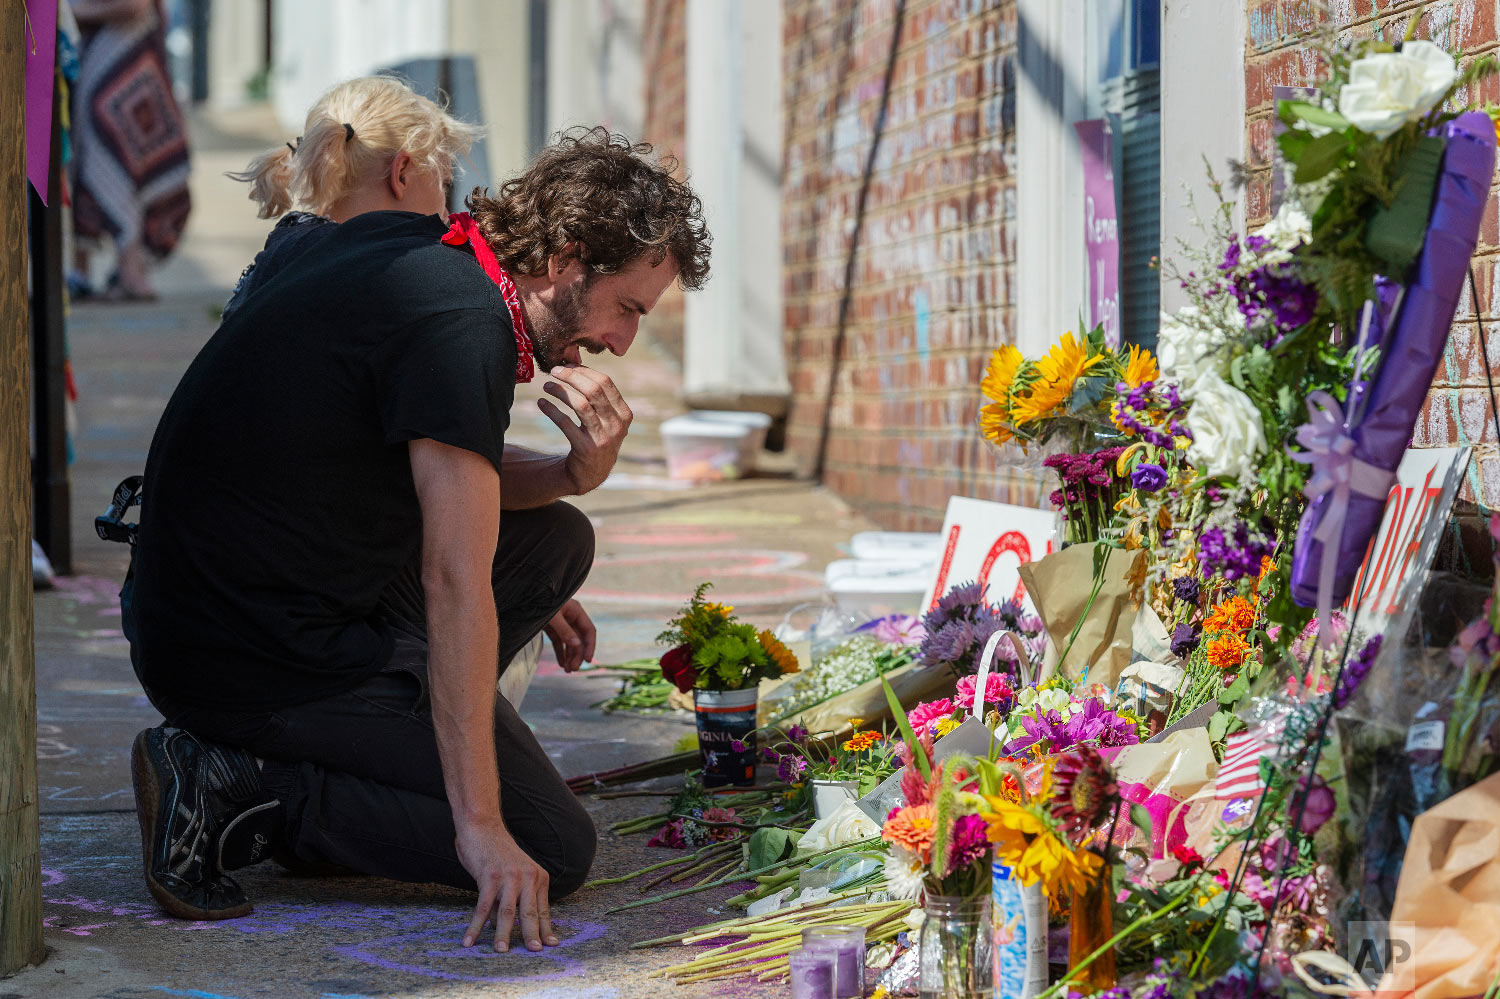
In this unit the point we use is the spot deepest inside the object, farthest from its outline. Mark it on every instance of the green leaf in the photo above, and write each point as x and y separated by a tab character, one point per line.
899	713
1239	688
1141	819
769	845
1293	143
1218	726
1314	114
1320	157
1396	231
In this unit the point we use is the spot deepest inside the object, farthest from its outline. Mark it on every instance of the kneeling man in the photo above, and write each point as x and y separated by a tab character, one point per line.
325	587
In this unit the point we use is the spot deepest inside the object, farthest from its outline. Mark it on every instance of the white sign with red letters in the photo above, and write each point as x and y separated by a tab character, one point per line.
986	542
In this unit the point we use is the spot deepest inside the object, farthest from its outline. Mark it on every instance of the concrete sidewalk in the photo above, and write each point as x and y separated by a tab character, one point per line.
763	541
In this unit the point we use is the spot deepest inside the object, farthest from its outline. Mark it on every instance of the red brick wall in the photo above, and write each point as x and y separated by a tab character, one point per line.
1458	408
932	292
664	54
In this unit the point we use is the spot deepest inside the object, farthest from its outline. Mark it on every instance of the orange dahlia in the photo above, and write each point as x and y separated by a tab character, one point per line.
1234	614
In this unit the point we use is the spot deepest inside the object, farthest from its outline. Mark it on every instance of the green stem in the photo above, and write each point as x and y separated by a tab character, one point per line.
747	875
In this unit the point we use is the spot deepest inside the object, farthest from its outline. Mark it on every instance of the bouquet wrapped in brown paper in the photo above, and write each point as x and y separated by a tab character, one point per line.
1448	899
1085	595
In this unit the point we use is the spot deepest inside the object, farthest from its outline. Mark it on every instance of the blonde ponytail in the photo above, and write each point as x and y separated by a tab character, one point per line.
352	133
270	178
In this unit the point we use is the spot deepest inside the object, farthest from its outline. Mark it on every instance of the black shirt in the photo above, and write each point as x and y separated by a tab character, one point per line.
279	500
295	234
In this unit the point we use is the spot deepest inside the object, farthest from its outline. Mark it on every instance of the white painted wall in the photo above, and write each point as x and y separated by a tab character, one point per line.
317	45
733	352
1050	96
1202	115
595	70
236	49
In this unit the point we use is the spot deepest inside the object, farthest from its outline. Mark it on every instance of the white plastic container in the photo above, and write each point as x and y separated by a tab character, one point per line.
878	586
908	546
759	424
711	449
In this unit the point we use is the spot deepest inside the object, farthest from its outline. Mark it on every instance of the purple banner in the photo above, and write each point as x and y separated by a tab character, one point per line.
1101	231
41	54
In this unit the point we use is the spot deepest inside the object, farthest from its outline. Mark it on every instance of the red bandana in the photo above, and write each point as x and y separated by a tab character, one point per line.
463	232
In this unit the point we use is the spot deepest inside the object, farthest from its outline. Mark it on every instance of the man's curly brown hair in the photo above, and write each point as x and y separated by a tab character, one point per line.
600	191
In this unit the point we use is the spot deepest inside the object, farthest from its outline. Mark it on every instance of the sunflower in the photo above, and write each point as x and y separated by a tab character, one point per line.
1066	362
1039	402
1024	843
1227	651
1000	374
1140	368
994	422
778	652
1085	790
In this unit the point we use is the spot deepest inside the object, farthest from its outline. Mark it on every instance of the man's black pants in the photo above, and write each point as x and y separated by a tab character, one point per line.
358	773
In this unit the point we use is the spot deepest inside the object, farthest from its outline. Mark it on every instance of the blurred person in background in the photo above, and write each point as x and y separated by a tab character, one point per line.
324	587
130	145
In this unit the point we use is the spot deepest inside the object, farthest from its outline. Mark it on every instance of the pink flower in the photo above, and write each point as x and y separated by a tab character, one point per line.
1320	804
900	629
996	690
927	714
967	843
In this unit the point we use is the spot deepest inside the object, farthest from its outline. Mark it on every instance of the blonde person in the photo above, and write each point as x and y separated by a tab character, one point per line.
324	574
362	128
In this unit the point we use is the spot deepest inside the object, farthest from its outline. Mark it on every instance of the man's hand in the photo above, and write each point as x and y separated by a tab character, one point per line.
511	884
603	421
572	634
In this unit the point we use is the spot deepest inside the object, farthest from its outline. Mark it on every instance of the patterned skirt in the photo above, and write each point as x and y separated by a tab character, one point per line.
130	167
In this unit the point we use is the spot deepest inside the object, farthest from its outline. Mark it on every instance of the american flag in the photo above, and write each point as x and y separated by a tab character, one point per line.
1239	774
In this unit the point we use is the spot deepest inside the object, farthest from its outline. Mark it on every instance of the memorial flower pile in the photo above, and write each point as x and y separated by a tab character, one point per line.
959	626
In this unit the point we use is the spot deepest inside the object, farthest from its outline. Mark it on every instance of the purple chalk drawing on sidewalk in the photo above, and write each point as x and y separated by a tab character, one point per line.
398	953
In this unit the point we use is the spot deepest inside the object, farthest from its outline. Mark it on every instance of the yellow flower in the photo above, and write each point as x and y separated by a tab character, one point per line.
1038	403
1066	362
1000	373
855	723
1024	843
778	653
946	725
994	422
861	742
1140	368
880	993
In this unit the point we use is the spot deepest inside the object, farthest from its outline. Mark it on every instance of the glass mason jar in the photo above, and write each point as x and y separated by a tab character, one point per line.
958	948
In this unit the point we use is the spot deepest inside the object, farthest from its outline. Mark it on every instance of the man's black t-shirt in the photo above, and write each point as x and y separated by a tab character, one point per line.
279	500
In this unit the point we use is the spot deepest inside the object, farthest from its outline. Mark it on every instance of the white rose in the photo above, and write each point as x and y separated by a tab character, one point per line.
1227	431
1053	699
1388	89
1289	229
1185	351
848	824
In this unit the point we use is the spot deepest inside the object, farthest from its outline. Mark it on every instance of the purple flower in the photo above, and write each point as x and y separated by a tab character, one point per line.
1356	671
1237	555
769	755
737	746
797	733
791	769
1148	476
1046	728
1095	723
1185	638
900	629
1186	589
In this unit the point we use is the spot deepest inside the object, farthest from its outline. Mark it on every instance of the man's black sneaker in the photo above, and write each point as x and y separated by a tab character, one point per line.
202	812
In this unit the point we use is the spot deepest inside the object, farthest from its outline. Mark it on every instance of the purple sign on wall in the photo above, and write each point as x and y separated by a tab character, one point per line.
1101	232
41	51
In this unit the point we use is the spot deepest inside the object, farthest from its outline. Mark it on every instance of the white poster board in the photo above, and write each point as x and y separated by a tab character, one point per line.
986	542
1394	571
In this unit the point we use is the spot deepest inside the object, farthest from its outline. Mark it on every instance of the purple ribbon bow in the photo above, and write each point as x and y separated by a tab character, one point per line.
1329	449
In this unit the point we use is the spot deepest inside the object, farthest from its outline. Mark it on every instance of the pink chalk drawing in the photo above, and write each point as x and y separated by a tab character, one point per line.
770	577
